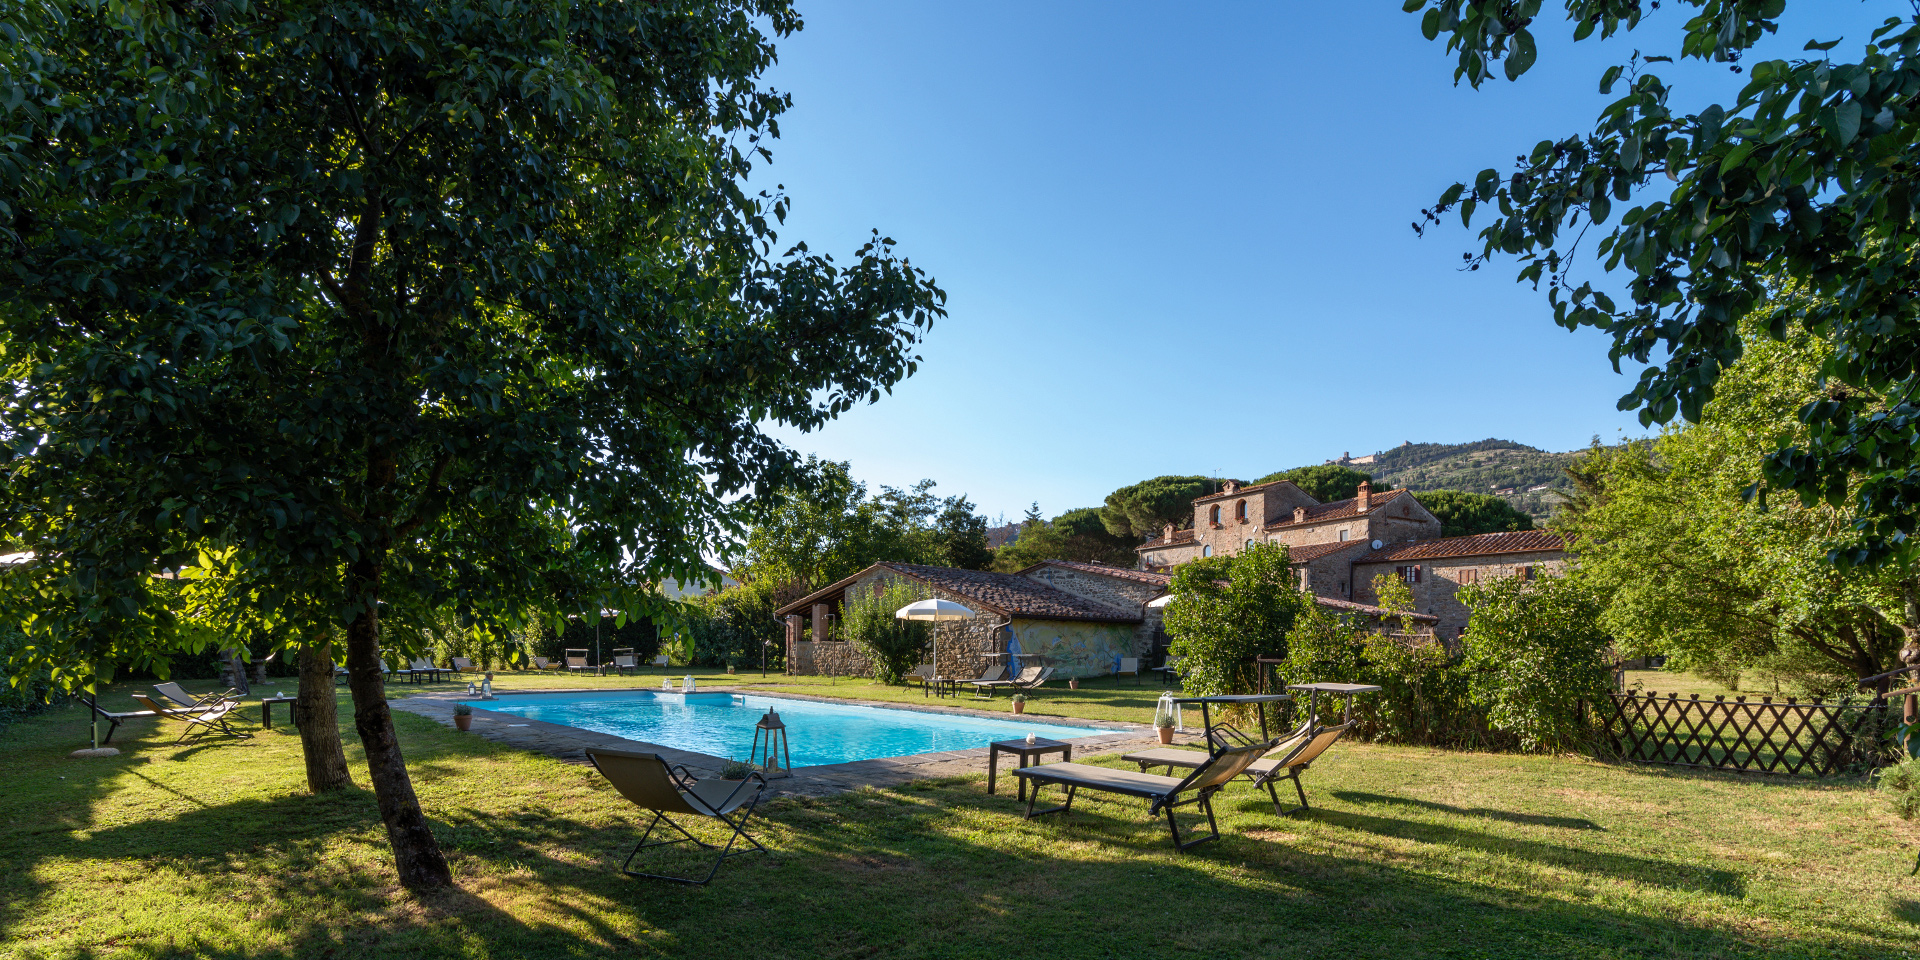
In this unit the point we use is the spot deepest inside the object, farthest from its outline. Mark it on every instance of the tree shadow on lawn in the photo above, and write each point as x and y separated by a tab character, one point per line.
932	869
1505	816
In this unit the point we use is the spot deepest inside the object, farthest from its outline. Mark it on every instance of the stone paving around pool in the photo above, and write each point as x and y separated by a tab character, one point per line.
570	743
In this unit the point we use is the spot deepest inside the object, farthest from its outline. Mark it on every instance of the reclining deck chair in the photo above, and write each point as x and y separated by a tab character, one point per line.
650	784
1163	794
172	694
624	659
661	661
990	674
577	659
199	722
460	665
922	675
1029	678
1288	760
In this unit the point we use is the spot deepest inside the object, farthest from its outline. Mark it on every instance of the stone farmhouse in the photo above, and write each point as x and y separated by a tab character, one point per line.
1079	618
1338	548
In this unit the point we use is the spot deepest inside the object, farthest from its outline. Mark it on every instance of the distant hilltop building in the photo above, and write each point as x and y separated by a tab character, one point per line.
1349	460
1337	548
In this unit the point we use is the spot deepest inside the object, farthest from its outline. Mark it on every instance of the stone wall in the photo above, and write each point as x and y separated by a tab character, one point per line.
1442	578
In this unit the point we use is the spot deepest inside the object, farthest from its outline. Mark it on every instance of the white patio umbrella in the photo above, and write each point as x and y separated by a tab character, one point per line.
1160	602
935	609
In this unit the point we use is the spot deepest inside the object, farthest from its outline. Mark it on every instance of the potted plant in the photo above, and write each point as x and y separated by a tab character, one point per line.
735	770
729	669
1163	719
462	716
1019	703
1073	683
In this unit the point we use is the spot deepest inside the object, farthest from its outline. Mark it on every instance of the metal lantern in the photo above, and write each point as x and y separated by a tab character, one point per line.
763	752
1167	708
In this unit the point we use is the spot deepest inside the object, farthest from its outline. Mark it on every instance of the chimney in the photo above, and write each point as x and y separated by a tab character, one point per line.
1233	486
1167	531
1299	514
1363	501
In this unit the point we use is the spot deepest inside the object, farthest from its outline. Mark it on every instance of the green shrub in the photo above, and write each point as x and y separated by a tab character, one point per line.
893	646
1423	698
1901	784
1227	611
1533	651
23	695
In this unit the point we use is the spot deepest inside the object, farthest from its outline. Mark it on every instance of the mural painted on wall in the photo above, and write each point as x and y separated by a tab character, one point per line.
1072	649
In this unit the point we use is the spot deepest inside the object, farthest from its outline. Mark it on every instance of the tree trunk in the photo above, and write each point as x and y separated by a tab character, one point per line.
318	720
416	854
236	677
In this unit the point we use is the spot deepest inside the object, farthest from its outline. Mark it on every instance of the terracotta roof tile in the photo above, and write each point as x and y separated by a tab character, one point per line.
1522	541
1242	491
1351	607
1104	570
1179	537
1013	595
1339	509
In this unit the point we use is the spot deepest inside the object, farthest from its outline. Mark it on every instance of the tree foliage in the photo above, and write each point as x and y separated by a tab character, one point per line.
1225	612
1802	177
1533	651
1462	514
1423	698
1325	482
1693	569
892	645
828	529
397	309
1075	535
1142	509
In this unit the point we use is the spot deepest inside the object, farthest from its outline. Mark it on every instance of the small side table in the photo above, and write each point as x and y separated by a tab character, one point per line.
266	709
1029	754
945	686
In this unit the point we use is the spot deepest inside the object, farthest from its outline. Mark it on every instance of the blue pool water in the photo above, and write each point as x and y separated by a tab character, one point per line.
721	724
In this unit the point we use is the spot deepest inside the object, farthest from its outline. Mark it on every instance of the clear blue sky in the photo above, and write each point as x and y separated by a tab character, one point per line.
1175	237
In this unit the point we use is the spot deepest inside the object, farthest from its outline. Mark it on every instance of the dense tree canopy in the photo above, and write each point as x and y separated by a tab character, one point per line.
1690	568
1802	175
829	528
1142	509
1226	611
1461	513
1075	535
384	310
1325	482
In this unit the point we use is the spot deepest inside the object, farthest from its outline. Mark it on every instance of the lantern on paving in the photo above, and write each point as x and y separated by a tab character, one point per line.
765	748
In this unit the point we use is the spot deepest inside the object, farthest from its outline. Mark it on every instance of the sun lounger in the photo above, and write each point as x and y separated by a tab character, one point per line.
460	665
1163	794
173	695
114	719
1029	678
650	784
1287	761
661	661
990	675
1129	666
576	659
199	722
922	675
624	660
423	669
539	663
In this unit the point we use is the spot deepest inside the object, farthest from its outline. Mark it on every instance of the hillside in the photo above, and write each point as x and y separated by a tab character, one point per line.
1529	478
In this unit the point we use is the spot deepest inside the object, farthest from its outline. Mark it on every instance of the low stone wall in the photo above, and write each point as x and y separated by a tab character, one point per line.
833	658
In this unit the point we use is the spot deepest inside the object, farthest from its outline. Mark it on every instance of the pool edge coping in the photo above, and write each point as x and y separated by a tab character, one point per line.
569	744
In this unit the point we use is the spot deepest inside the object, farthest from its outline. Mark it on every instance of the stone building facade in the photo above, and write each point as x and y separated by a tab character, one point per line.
1337	548
1435	570
1076	617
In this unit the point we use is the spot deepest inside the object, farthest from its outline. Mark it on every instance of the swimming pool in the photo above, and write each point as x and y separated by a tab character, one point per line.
721	724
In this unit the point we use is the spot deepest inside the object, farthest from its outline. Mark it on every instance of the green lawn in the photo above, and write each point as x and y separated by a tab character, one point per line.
215	851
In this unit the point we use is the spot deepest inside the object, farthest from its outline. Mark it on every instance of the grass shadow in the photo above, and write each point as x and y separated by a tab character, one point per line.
1504	816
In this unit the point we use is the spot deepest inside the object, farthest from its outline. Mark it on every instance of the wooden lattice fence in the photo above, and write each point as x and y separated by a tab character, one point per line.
1816	737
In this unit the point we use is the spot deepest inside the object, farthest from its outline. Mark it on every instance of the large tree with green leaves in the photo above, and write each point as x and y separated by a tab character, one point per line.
1462	514
441	305
1226	611
1804	174
1691	568
1075	535
1141	510
1325	482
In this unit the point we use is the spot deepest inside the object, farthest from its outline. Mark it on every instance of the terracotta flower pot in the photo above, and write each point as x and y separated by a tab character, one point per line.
463	721
1073	684
1019	708
1166	734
